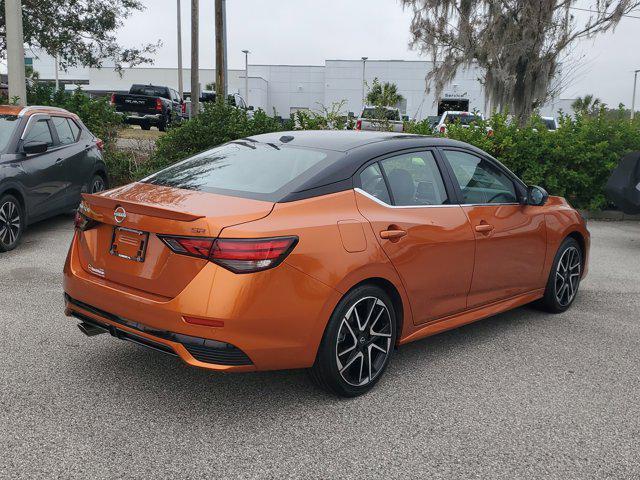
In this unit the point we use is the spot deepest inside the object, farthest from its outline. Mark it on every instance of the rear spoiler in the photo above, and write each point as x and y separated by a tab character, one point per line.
139	208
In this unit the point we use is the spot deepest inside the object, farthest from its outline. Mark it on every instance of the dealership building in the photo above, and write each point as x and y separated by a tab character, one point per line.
285	89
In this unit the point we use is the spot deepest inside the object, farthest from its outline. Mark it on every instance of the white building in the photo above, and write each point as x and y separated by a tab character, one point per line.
284	89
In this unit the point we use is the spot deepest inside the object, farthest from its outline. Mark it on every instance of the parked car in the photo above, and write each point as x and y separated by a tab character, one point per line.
149	106
209	96
465	119
47	159
550	123
318	249
376	118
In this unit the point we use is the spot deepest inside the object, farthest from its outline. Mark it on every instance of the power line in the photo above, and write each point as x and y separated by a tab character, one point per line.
595	11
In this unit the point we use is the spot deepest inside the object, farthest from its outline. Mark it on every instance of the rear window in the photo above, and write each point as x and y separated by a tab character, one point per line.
246	169
462	119
376	113
150	91
7	127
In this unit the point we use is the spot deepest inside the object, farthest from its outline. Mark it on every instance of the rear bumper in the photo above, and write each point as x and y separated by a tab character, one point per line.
137	119
272	320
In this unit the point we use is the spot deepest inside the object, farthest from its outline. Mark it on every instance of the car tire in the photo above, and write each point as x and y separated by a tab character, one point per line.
145	126
564	278
162	125
98	184
353	355
12	222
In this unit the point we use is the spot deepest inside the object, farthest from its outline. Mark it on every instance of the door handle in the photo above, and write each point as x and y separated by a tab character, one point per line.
392	234
484	228
59	161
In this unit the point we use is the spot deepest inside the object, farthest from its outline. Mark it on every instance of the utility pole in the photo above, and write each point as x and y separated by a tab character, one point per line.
246	76
364	63
195	62
57	67
180	82
15	51
221	50
633	100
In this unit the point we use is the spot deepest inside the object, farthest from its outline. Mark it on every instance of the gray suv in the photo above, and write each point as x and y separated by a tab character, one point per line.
47	159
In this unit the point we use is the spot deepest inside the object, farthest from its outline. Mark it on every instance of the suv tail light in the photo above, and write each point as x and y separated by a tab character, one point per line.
359	125
239	255
113	99
99	144
443	129
184	108
158	104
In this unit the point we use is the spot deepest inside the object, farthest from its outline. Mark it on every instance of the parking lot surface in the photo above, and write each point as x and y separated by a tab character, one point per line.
521	395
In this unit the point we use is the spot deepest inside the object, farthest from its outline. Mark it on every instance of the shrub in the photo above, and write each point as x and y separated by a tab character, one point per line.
575	161
217	124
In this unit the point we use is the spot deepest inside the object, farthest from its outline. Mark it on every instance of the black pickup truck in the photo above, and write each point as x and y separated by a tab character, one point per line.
149	105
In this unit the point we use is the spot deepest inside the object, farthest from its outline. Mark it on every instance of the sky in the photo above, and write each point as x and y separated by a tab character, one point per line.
307	32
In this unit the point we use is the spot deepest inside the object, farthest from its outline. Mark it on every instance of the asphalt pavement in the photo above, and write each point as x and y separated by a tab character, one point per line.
523	395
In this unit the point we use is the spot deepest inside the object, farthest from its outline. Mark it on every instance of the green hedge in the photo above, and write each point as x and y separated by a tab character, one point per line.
575	161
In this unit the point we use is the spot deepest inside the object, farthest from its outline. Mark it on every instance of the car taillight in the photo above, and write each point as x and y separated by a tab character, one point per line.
82	222
490	132
246	255
443	129
359	125
158	104
113	99
99	144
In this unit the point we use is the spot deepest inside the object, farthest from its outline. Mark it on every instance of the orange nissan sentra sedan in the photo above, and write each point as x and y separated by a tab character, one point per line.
322	250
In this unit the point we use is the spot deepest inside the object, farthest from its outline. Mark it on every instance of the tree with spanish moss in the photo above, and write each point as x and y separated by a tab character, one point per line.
519	45
79	32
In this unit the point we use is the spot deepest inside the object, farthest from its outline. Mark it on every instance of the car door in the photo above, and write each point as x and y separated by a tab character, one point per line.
510	237
424	233
44	179
76	167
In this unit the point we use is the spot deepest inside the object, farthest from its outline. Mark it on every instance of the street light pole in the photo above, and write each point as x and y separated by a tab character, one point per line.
633	100
180	81
15	51
57	68
195	59
246	76
221	50
364	62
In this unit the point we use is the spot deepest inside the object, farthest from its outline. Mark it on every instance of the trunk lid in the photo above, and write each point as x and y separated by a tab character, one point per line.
156	210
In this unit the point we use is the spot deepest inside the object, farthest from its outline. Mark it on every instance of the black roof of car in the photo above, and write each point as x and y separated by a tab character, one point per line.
345	140
354	148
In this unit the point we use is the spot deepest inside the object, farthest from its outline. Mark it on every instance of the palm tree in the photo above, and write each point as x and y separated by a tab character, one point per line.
586	105
384	94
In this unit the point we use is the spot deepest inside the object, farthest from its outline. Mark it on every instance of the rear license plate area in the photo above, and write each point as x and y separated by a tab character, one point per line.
129	244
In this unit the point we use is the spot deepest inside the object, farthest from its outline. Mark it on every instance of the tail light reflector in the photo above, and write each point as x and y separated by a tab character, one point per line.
158	104
82	222
99	144
359	125
238	255
207	322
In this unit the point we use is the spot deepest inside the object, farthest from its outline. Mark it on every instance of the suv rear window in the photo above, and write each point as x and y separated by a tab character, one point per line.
246	169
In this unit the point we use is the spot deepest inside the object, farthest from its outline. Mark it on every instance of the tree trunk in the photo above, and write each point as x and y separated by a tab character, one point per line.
195	61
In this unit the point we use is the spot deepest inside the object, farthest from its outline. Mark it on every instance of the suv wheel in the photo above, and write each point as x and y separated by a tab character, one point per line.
357	344
11	223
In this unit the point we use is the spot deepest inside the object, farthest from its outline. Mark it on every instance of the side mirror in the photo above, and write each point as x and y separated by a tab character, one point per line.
250	107
537	196
34	147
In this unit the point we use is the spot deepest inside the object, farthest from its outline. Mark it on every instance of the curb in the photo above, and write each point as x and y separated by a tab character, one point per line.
609	215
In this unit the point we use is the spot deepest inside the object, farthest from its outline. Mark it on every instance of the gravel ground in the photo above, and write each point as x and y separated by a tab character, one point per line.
521	395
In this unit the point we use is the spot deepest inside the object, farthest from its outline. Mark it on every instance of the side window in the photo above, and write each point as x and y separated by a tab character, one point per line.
65	134
74	128
414	179
373	183
480	181
39	132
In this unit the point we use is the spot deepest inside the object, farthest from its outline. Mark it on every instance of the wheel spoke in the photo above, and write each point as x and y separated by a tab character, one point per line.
350	361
